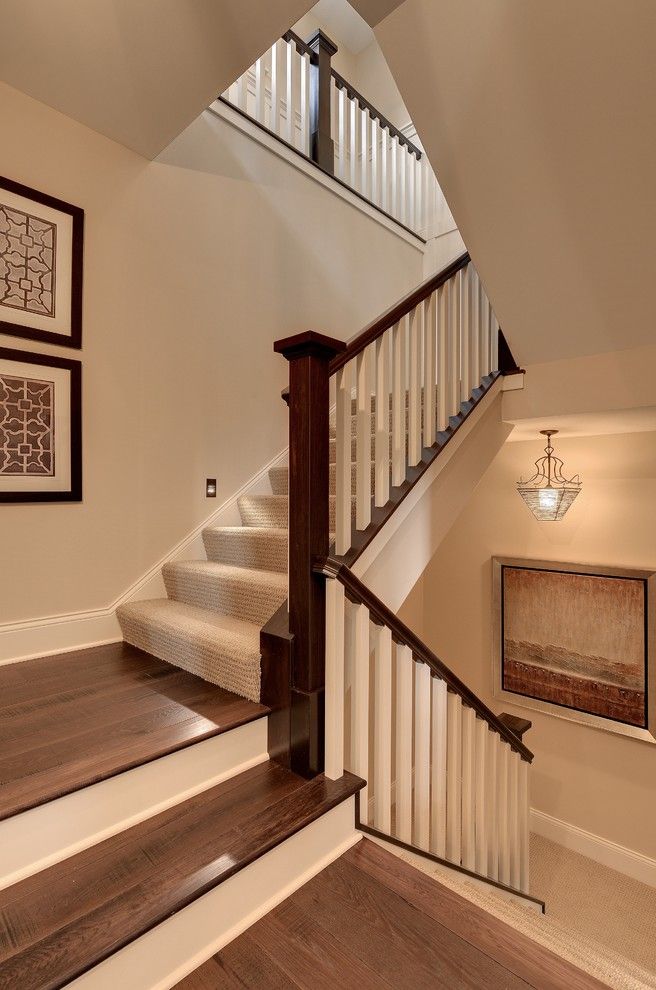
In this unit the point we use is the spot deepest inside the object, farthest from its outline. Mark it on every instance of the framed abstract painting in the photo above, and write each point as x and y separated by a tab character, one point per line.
577	641
41	258
40	428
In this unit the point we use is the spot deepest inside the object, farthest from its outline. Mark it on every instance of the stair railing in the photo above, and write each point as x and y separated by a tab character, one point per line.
293	92
445	775
416	373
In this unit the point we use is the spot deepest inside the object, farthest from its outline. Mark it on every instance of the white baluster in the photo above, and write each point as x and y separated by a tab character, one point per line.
494	343
398	403
343	440
375	196
410	183
443	387
363	446
350	613
353	144
468	788
419	193
481	815
438	766
259	91
402	182
484	332
288	55
361	706
403	760
503	805
334	688
384	175
465	344
422	755
454	779
274	119
383	731
382	451
342	131
453	401
493	744
414	394
394	206
305	105
364	152
475	330
513	821
523	811
430	339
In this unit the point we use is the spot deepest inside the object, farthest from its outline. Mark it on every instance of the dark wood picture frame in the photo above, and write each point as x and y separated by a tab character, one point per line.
74	493
645	588
74	339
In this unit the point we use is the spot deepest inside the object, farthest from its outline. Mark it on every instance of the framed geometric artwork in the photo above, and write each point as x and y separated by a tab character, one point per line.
40	428
577	641
41	249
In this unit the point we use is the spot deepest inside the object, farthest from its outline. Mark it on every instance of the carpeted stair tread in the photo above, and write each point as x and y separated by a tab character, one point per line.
219	648
259	547
242	592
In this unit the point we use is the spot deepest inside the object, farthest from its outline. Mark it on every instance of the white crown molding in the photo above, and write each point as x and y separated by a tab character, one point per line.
48	635
612	854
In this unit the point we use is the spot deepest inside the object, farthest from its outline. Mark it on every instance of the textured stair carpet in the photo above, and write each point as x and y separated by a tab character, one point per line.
597	935
210	622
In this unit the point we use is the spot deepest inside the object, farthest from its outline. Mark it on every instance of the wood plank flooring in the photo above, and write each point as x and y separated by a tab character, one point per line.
70	720
371	921
59	923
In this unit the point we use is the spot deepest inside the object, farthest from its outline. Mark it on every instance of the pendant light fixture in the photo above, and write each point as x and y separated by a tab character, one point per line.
548	493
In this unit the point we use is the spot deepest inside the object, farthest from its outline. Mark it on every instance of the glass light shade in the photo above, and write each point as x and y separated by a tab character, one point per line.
548	493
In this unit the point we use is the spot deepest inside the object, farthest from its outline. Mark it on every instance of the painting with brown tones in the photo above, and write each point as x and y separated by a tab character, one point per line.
577	640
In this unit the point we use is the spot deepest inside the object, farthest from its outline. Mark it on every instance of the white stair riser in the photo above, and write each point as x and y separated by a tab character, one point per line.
164	956
42	836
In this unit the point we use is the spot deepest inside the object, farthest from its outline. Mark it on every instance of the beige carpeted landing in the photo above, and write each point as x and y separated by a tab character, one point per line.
596	901
578	934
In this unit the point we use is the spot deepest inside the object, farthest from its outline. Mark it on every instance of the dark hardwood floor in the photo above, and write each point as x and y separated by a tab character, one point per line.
369	921
59	923
70	720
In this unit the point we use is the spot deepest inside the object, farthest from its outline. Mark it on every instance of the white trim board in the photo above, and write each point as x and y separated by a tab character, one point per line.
52	634
612	854
42	836
166	954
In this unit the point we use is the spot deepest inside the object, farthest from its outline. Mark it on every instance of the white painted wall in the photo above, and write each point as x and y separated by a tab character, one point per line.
195	264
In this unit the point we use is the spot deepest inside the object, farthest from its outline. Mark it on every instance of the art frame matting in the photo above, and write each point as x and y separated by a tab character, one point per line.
577	641
40	427
41	262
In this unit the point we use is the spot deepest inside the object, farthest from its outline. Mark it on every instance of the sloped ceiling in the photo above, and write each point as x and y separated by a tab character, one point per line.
539	120
138	71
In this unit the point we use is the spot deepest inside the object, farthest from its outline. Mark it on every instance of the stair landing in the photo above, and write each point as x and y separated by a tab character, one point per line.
70	720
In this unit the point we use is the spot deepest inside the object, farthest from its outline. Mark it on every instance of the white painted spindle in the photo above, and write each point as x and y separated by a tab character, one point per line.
334	693
454	779
398	403
414	394
481	810
442	357
361	705
468	787
438	766
422	756
403	748
382	443
363	446
383	730
430	339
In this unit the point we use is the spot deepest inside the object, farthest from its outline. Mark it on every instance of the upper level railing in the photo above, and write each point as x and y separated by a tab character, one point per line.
293	92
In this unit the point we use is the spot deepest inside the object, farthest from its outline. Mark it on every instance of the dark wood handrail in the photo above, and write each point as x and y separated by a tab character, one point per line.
358	592
363	102
400	309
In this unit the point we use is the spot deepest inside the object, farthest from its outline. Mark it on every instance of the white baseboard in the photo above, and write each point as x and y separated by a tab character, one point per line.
164	956
632	864
42	836
80	630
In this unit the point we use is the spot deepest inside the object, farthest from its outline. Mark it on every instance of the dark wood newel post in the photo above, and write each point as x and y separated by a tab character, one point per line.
323	151
309	355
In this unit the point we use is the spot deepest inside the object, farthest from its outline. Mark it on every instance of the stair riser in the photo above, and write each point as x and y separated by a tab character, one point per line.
264	510
251	601
246	548
38	838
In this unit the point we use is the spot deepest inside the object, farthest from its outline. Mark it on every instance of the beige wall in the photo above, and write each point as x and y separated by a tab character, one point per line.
598	781
193	269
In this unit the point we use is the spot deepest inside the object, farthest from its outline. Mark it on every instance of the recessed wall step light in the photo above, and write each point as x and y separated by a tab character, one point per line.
210	488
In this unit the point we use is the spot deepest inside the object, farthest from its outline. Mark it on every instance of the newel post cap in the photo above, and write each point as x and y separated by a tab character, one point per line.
320	40
309	344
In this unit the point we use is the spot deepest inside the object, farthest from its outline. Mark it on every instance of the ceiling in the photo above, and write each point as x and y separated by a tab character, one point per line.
539	121
343	23
138	71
